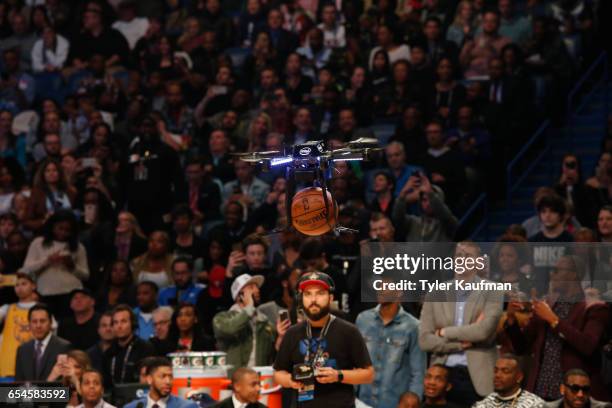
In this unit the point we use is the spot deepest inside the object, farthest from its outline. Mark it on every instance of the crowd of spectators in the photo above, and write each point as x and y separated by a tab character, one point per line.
129	229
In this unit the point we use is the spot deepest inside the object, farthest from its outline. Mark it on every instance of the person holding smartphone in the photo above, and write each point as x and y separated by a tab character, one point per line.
322	358
246	335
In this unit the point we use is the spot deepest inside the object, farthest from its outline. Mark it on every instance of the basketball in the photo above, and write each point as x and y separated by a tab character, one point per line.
308	212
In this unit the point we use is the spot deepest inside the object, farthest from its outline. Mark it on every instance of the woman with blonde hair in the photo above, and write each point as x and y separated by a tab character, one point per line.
155	265
257	132
464	24
130	241
69	368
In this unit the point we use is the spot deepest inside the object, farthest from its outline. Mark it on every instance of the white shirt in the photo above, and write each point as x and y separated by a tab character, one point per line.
161	403
21	305
132	30
158	278
44	344
56	57
400	53
238	404
335	37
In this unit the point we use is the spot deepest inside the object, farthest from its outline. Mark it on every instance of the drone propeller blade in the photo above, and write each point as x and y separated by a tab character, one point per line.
364	141
256	154
253	159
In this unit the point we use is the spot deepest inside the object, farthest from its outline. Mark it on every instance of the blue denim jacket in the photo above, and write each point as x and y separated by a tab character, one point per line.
397	358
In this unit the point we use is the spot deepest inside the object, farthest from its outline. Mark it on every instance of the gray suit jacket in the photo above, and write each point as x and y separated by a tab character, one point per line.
25	369
439	312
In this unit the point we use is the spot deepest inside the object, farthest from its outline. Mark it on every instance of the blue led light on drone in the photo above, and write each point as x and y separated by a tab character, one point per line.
284	160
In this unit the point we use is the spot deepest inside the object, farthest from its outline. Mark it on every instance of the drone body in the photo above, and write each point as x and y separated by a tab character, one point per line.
311	162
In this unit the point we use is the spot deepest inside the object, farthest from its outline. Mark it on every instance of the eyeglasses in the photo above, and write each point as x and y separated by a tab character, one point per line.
161	322
575	388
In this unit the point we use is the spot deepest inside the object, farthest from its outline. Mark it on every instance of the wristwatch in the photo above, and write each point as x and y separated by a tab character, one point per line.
340	376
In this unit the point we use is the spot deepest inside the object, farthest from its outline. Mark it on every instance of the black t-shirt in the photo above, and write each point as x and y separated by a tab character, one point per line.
343	349
82	336
546	253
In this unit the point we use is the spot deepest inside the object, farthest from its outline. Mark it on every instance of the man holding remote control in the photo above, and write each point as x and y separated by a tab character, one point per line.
324	356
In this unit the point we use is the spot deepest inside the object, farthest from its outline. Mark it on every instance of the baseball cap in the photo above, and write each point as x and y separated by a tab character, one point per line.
84	291
243	280
316	278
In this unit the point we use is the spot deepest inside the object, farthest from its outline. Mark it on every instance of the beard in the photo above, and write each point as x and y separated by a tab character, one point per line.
323	311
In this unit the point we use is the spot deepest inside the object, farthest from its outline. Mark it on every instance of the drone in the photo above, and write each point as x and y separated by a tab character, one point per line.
311	161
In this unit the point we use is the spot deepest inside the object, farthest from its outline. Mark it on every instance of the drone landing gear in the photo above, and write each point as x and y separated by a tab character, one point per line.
339	229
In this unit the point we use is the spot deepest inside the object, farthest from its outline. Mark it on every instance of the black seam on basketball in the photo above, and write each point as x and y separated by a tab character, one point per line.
308	212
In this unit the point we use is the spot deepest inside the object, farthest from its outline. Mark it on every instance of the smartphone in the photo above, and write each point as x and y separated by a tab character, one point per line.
89	162
283	315
62	359
219	89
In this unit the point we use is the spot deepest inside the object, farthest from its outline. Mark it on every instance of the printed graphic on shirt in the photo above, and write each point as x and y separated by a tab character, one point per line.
323	360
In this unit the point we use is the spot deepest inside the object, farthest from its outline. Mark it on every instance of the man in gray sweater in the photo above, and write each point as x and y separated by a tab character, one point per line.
436	222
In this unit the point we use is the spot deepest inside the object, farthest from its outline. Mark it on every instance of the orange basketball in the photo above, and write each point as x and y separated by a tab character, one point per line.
308	212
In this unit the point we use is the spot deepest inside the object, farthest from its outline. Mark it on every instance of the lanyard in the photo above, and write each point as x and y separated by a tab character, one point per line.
319	351
125	360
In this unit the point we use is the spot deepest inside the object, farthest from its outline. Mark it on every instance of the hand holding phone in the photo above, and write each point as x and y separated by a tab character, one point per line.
283	315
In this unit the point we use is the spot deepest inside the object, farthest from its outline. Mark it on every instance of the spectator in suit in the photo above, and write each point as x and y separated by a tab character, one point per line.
159	377
36	358
246	386
565	332
576	392
203	193
460	332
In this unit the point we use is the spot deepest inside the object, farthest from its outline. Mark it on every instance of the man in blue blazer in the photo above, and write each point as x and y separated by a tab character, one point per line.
159	378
